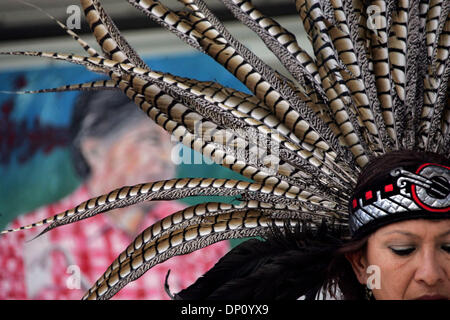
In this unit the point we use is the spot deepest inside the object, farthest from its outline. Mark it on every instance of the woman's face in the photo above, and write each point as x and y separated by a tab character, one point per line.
407	260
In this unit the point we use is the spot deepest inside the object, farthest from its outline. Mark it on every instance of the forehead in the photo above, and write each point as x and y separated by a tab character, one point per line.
139	126
422	228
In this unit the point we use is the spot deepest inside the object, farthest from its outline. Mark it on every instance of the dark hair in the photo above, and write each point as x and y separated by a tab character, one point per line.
99	114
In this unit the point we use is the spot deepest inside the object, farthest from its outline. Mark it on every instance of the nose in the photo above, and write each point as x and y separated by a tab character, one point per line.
430	269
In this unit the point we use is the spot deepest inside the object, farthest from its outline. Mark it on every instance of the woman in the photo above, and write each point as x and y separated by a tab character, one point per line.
399	252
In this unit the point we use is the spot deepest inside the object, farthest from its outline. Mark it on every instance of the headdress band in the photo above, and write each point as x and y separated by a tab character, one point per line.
405	194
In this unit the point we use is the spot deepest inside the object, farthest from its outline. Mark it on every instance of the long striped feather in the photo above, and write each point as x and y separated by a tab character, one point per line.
337	93
208	108
240	224
199	214
108	36
92	85
257	76
434	77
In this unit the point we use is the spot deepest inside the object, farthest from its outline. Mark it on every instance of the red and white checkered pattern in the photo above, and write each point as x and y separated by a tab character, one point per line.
91	245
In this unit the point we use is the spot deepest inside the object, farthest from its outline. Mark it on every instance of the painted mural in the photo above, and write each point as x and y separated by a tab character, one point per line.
60	149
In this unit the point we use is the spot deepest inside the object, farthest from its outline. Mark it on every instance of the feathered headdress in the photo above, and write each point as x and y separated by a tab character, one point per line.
378	82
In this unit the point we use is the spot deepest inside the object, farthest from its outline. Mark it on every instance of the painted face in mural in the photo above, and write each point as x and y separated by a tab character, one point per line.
135	154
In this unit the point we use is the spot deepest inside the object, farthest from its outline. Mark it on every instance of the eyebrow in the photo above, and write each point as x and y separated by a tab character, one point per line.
406	233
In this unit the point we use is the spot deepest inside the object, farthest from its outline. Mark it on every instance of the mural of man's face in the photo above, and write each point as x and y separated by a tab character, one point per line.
137	154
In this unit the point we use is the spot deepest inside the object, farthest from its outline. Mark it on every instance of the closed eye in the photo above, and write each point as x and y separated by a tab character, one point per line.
402	251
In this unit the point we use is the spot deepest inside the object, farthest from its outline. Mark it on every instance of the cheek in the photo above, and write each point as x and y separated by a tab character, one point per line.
138	162
388	277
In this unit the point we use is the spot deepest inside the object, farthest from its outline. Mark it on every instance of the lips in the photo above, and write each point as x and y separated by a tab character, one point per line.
432	297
